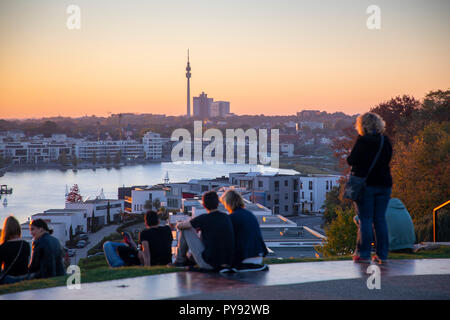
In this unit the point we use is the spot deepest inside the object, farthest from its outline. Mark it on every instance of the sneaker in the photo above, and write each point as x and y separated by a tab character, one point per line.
228	270
377	260
358	259
249	267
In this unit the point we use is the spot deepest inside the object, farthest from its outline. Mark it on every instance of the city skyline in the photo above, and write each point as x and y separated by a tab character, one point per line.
265	58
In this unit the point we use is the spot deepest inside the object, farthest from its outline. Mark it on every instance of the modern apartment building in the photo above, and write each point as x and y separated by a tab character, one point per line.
169	196
286	194
277	191
34	152
97	209
129	149
153	145
313	190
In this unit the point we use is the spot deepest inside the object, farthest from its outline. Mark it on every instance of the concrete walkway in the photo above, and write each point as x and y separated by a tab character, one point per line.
94	239
400	279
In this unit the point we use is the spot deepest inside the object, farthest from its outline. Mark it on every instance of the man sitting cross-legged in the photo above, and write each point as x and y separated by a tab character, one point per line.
214	250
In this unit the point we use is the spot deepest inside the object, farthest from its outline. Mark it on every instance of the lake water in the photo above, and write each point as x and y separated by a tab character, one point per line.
37	190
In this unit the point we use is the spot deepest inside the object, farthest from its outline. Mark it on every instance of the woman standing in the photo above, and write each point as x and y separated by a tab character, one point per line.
14	252
47	255
377	192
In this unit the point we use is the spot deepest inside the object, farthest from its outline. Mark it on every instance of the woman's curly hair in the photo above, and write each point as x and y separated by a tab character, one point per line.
369	123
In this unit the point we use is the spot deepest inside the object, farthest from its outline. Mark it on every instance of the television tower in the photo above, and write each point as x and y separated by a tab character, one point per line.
188	76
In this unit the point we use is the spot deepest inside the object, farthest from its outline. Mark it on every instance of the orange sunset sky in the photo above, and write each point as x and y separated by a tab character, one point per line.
271	57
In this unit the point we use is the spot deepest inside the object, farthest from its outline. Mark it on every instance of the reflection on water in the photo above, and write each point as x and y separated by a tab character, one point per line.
38	190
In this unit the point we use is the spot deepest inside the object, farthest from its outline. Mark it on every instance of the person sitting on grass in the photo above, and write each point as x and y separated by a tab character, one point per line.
121	254
156	246
214	250
249	244
47	254
156	241
14	253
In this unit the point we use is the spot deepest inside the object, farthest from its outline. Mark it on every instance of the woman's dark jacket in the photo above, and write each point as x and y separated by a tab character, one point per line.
362	156
47	257
247	234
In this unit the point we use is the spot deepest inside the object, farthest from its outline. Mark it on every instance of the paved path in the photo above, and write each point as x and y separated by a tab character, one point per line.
94	238
400	279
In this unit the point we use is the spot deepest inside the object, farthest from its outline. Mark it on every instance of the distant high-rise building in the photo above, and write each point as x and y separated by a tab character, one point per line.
224	108
205	107
202	105
188	76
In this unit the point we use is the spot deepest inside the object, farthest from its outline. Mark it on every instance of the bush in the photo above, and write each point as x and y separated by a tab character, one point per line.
341	234
423	227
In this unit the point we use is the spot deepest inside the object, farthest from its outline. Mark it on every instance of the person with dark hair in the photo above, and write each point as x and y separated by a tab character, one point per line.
47	254
156	241
156	246
214	250
14	252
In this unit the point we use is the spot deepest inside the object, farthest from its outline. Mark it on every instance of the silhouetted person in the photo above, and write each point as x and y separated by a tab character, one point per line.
214	250
374	200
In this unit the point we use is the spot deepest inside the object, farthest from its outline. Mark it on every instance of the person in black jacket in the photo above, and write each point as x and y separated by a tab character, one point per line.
47	255
373	203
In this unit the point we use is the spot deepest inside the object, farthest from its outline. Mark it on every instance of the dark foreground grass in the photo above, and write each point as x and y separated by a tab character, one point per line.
95	269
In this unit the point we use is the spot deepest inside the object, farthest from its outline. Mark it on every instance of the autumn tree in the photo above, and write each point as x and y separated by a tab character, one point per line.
421	174
396	112
74	194
342	146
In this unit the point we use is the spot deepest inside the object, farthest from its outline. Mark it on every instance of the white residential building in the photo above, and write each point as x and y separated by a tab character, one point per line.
129	149
75	218
34	152
99	208
169	196
152	145
313	190
286	194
